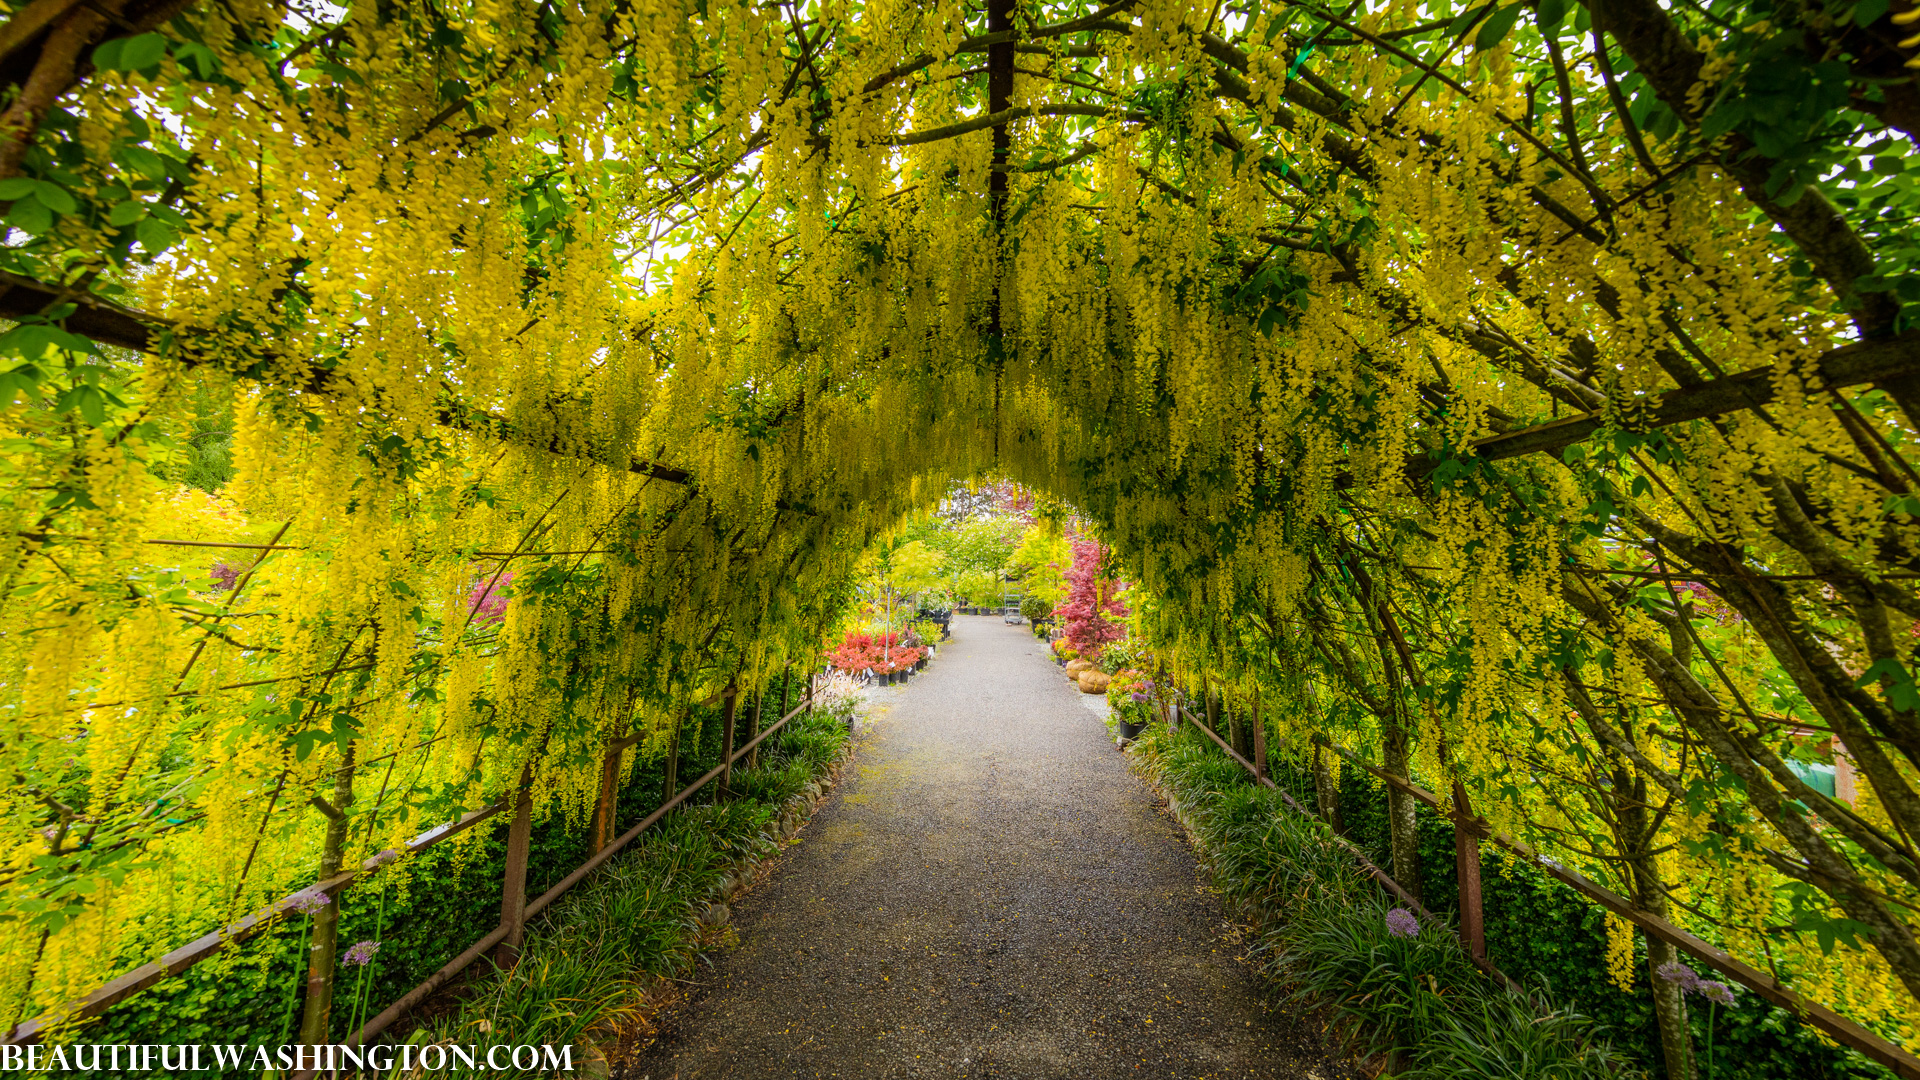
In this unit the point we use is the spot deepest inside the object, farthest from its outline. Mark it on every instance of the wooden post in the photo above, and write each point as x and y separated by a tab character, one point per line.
1259	737
1466	854
1213	704
513	884
727	707
325	947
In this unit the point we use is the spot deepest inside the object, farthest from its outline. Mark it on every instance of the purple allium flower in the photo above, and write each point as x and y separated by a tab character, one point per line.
1690	982
1402	923
1679	974
224	576
308	901
361	954
1676	972
1138	696
486	601
1716	991
383	858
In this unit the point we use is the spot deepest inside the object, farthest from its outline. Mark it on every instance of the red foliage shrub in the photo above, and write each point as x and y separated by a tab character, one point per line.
880	652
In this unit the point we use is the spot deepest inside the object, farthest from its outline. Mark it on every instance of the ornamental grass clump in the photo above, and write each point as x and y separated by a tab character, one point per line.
1388	981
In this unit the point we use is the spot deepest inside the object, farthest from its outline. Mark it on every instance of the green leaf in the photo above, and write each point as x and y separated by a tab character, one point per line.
1901	693
56	198
25	379
1552	13
17	187
1465	19
106	56
130	54
88	399
1496	28
155	236
144	161
30	215
127	213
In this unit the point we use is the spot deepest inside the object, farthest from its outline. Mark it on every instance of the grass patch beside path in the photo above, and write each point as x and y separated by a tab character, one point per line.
1327	947
605	957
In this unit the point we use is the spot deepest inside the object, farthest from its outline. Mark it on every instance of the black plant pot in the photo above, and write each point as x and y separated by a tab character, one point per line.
1130	732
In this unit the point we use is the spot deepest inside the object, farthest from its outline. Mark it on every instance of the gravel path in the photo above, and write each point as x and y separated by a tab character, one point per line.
990	893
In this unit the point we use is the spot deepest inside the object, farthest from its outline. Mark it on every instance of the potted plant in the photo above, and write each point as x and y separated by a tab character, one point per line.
1038	612
1130	697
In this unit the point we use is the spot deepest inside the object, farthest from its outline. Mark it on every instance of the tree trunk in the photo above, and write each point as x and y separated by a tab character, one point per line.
325	947
1325	791
608	803
670	781
727	710
786	692
1401	823
1236	727
1669	1005
754	721
513	883
1258	744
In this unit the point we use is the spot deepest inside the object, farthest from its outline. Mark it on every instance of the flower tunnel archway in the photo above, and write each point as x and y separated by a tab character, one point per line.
1505	391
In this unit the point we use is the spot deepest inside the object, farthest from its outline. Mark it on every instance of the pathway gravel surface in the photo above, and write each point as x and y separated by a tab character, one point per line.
989	893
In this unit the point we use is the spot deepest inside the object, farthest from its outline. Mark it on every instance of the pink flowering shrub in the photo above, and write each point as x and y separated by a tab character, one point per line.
488	600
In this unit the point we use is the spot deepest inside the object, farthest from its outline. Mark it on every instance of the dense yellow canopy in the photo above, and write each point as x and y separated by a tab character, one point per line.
1541	342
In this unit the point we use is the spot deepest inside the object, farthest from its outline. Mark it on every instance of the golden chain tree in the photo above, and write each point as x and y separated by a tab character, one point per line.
1524	390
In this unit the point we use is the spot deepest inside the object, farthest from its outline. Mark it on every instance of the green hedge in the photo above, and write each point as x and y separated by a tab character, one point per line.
1538	928
213	1002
